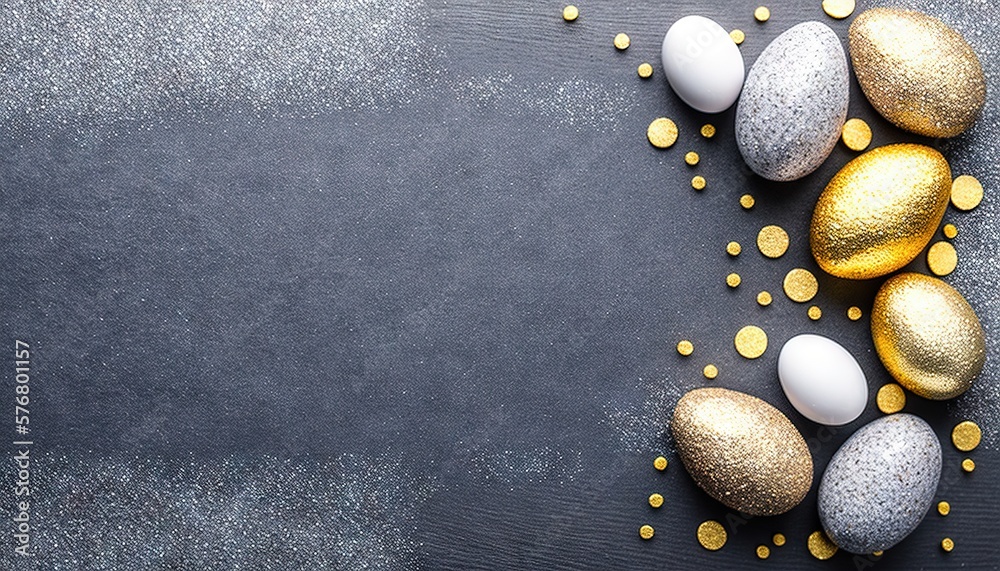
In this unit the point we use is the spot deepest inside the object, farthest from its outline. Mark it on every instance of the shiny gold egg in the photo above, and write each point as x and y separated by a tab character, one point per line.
927	336
916	71
742	451
880	210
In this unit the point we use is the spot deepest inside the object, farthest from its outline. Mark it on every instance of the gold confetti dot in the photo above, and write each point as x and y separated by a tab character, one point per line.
646	532
708	130
751	341
778	539
685	347
966	192
570	13
838	9
800	285
734	248
763	552
877	553
856	134
622	41
660	463
820	546
733	280
772	241
644	70
691	158
950	231
968	465
711	535
738	36
662	133
854	313
814	313
948	544
942	259
762	13
944	508
890	398
698	182
764	298
710	371
966	435
747	201
655	500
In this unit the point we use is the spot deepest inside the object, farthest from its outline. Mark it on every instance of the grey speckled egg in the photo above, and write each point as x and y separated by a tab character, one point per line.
794	103
880	484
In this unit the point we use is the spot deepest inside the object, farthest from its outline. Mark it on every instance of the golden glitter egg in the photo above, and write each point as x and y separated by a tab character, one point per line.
927	336
916	71
742	451
879	211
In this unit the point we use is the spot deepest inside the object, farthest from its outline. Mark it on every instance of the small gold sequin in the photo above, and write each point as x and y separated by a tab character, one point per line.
948	544
622	41
698	182
762	13
710	371
942	259
814	313
778	539
854	313
856	134
734	248
711	535
764	298
646	532
660	463
763	552
966	192
738	36
570	13
966	435
838	9
645	70
820	546
890	398
800	285
685	347
733	280
708	130
772	241
968	465
878	553
944	508
747	201
691	158
950	231
751	341
662	133
655	500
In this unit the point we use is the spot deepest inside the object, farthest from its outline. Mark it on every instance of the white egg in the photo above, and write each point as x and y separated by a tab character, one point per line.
822	380
703	64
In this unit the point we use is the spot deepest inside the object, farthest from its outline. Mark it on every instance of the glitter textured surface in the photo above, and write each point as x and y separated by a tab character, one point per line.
662	133
820	546
751	341
711	535
772	241
966	192
927	336
880	211
800	285
742	451
890	398
966	435
857	135
942	259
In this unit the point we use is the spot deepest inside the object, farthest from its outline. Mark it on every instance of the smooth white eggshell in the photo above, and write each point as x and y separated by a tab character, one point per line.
822	380
703	64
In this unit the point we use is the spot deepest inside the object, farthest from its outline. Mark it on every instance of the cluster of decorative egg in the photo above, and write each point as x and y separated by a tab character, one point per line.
874	217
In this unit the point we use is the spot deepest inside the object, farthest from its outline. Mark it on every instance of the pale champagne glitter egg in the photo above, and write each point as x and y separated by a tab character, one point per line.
742	451
751	341
966	192
711	535
942	259
662	133
800	285
772	241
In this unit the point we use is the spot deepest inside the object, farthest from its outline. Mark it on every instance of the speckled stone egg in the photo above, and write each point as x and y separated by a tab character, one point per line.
879	211
916	71
794	103
927	336
880	484
742	451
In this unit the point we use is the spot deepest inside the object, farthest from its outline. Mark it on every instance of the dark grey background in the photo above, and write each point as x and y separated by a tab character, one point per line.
477	287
